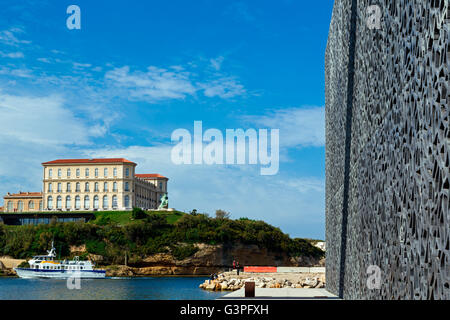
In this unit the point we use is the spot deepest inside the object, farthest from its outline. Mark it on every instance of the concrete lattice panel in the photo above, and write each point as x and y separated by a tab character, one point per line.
389	206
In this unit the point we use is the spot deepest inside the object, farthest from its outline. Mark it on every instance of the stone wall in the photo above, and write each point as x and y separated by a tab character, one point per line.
387	150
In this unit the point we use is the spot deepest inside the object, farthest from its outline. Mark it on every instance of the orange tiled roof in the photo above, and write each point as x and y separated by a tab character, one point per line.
84	161
149	175
24	194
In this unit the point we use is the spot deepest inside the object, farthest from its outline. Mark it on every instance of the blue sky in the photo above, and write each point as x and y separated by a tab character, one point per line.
138	70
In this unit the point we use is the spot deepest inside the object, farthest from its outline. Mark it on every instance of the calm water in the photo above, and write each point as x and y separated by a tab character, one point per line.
154	288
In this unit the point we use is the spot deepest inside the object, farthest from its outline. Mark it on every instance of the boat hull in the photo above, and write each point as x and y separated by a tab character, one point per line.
28	273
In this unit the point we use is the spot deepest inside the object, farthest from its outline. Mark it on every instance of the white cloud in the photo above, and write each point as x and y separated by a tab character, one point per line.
226	87
12	55
153	85
41	120
9	37
217	63
299	127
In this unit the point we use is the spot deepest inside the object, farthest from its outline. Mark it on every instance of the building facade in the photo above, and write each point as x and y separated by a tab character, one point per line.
90	184
388	150
23	202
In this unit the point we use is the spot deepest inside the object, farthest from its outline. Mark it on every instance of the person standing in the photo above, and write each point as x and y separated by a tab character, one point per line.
237	266
234	264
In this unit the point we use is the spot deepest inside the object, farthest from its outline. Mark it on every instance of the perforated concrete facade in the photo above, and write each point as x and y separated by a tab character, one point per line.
387	150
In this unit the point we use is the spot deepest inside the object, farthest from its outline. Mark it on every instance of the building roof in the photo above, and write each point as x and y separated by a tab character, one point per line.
23	195
88	161
149	175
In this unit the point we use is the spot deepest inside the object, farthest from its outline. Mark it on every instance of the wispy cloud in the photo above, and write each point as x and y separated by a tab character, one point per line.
12	55
299	127
10	38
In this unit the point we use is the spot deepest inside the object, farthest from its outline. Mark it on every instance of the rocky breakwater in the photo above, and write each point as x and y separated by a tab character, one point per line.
231	281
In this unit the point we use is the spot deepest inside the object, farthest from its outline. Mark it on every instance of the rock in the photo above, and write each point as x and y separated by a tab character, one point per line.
224	286
310	282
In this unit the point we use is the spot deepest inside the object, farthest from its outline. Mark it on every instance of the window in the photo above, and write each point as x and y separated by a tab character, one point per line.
105	202
59	173
69	187
96	202
105	186
77	202
50	202
30	204
50	187
115	172
10	206
114	202
127	186
77	187
96	172
68	173
127	201
86	186
40	205
78	172
115	186
105	172
20	206
68	202
87	172
96	187
59	187
50	173
59	202
86	202
127	172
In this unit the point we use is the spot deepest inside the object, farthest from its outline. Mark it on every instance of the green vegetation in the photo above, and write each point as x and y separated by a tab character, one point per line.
138	234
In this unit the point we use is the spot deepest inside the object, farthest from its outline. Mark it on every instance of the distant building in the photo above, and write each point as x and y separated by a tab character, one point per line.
91	184
23	202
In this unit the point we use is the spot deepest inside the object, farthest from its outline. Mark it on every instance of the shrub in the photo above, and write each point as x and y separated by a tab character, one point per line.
183	251
138	213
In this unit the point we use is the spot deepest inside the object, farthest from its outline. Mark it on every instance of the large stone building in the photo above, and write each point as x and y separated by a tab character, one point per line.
388	150
91	184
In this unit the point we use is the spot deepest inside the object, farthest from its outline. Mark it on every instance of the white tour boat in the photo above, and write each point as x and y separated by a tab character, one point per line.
48	267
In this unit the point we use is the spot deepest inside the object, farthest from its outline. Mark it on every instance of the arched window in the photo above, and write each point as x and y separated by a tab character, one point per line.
68	202
40	205
87	172
31	204
114	202
105	186
10	206
59	202
86	186
20	206
50	202
59	187
127	186
68	172
96	187
105	202
96	172
86	202
115	186
77	202
127	201
96	202
77	187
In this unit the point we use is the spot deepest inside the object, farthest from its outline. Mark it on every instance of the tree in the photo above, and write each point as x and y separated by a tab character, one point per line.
222	214
138	213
